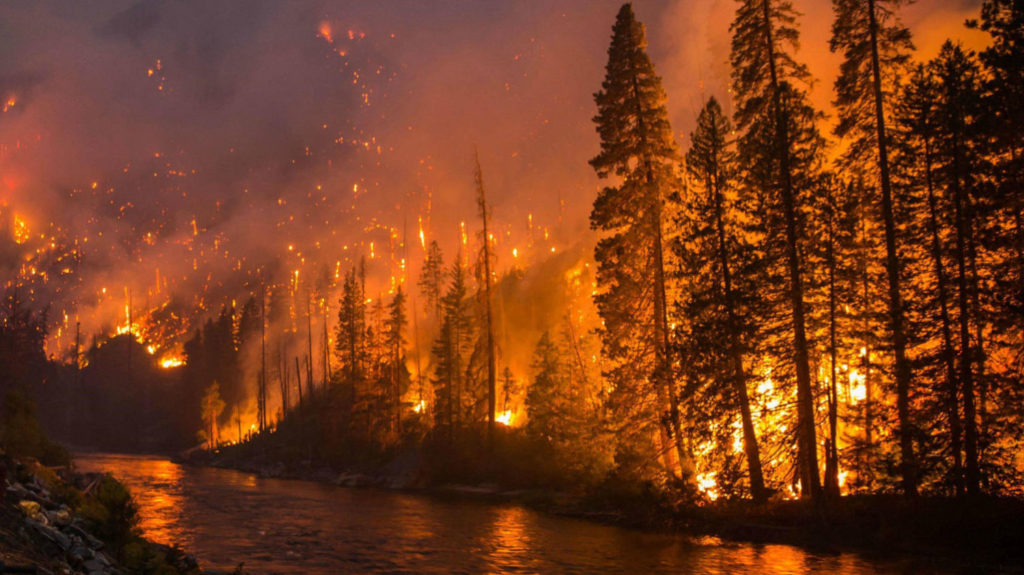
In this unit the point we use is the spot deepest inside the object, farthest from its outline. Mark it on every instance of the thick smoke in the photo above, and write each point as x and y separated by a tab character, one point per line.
204	146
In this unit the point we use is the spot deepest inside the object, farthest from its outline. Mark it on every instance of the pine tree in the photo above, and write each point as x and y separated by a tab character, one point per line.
486	256
875	47
1001	229
958	169
547	401
431	281
560	413
780	150
395	341
1003	114
451	350
713	264
212	407
835	250
351	330
916	152
638	149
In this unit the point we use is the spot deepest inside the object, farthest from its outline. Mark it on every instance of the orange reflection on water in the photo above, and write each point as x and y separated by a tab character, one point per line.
155	484
160	504
510	538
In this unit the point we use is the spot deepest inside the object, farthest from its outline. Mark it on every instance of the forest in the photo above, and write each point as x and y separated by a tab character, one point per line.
778	305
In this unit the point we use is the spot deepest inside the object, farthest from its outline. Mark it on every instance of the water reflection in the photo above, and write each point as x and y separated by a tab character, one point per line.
510	540
276	526
159	497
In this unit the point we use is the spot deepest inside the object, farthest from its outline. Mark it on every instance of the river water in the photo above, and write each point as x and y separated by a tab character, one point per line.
227	517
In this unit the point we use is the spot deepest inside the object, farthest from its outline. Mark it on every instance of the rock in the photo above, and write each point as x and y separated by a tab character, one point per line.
79	554
33	511
86	536
62	540
59	517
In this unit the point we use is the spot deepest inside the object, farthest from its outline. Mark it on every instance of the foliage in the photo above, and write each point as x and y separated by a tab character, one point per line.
112	513
21	435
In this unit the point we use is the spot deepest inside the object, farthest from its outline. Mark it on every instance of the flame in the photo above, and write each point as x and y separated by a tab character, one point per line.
170	362
858	389
707	484
420	407
21	232
505	418
325	32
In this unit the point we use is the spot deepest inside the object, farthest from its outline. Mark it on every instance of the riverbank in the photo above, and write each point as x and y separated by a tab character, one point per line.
54	520
984	533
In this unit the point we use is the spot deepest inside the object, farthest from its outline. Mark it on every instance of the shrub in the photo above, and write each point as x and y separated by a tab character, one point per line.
112	513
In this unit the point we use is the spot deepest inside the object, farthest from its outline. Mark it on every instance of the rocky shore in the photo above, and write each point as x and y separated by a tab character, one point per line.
49	524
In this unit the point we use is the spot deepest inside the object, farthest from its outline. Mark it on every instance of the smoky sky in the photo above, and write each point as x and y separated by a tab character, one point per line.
193	141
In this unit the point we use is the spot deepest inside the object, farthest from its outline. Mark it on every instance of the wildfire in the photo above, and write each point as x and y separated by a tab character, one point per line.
21	233
707	484
325	32
505	418
420	407
171	362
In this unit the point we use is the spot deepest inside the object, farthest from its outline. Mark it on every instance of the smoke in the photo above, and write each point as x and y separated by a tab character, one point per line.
196	148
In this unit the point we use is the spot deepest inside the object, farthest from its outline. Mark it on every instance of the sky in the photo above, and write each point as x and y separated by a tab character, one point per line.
188	146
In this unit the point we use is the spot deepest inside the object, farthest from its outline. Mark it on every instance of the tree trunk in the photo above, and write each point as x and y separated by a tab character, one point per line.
966	372
491	364
739	379
832	453
953	402
810	480
908	463
663	350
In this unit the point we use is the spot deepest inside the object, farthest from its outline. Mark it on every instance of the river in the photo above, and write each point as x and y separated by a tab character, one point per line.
227	517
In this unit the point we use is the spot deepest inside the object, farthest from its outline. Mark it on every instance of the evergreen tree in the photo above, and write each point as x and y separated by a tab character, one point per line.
431	281
835	229
212	407
1002	115
348	339
486	256
547	402
958	168
559	417
638	149
395	341
875	47
916	153
713	263
451	350
1002	226
780	151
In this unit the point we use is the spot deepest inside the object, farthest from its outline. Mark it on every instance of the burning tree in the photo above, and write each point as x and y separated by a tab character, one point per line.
779	149
638	150
716	267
